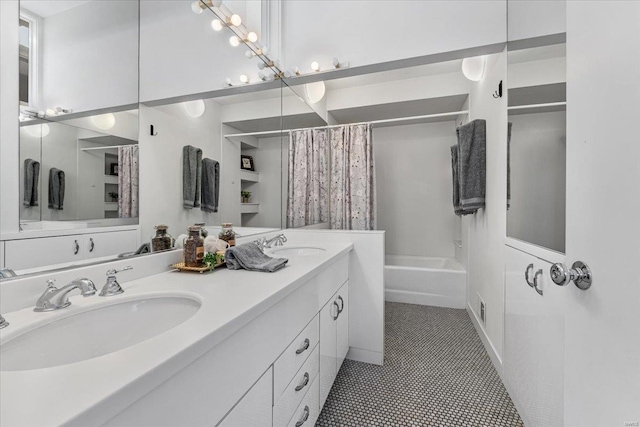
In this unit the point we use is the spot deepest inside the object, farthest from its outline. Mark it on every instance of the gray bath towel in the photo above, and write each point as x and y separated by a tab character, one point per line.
31	178
250	257
191	176
56	189
456	183
509	165
210	185
472	142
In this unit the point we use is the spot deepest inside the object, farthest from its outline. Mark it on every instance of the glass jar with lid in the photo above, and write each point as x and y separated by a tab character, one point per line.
227	234
194	248
162	240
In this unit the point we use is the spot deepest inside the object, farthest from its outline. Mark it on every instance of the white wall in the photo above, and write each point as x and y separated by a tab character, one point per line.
535	18
161	199
413	178
538	183
315	30
180	54
9	134
90	56
486	229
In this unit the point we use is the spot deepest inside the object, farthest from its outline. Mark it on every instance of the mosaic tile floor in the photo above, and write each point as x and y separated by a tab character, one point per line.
436	373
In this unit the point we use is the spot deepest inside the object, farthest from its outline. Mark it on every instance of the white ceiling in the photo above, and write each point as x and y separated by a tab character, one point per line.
46	8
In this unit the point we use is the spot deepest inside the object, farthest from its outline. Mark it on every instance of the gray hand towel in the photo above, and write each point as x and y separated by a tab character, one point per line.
509	165
56	189
250	257
191	176
456	183
31	178
210	185
472	141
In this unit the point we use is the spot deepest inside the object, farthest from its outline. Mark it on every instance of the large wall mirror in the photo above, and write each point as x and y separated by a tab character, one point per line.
536	187
78	114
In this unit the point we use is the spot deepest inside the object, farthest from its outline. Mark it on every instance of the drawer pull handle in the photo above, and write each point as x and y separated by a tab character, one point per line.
304	383
535	282
77	247
92	246
342	304
304	418
304	347
337	312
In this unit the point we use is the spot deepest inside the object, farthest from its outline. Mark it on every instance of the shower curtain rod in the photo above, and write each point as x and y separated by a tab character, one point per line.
374	122
107	148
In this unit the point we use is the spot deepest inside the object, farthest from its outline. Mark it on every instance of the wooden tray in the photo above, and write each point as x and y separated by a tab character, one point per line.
182	267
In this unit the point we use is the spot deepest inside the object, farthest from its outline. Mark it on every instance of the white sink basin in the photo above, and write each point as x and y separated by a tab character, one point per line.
297	251
94	333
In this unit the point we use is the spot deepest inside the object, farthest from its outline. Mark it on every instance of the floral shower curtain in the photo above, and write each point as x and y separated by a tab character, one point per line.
353	186
128	174
307	201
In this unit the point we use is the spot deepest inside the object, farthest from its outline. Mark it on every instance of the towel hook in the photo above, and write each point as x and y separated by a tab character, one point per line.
498	93
151	131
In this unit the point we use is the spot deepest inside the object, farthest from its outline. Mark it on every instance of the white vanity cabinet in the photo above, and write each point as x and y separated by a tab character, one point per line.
22	254
277	357
334	339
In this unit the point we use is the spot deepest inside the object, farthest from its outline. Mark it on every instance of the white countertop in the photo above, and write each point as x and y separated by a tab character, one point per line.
92	391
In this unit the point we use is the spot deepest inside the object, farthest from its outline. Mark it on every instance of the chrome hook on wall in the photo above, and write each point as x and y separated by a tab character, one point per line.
498	93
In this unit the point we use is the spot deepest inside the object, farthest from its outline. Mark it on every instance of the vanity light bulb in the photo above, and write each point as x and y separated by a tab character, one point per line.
265	50
51	112
261	75
234	41
228	81
287	74
217	25
336	63
248	54
261	65
216	3
252	37
244	78
235	20
195	6
270	77
315	66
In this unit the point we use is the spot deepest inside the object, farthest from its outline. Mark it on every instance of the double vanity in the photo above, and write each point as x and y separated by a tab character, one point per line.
229	348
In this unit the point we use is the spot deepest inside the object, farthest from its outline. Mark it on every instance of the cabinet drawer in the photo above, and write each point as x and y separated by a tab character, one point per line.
31	253
296	390
307	413
294	356
110	244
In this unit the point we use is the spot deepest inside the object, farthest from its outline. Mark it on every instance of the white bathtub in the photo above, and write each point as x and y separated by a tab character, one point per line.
433	281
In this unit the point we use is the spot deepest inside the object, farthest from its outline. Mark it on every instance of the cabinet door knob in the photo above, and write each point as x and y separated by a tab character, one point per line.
526	275
76	247
305	416
304	347
579	273
304	382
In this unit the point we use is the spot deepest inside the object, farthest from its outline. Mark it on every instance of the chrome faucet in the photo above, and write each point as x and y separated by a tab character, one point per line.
55	299
3	323
112	287
278	240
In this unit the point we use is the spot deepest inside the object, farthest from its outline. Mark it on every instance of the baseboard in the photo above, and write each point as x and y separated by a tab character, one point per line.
366	356
420	298
493	354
